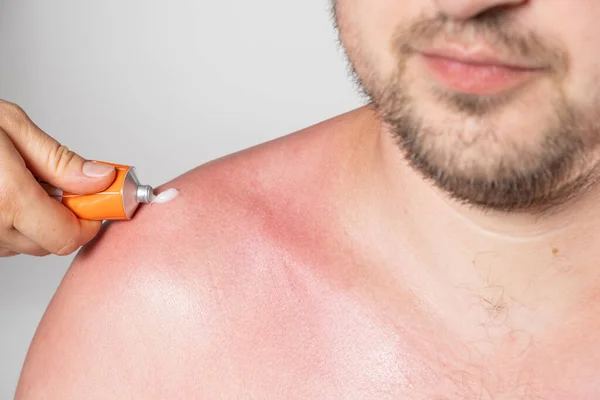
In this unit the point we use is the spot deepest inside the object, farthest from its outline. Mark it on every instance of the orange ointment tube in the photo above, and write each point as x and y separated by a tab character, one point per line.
117	202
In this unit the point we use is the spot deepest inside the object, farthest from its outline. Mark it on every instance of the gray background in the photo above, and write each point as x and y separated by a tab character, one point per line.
162	85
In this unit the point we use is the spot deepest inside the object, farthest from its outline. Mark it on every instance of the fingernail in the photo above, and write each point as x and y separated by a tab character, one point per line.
96	170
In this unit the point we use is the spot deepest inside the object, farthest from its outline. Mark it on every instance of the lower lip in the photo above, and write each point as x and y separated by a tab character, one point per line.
481	79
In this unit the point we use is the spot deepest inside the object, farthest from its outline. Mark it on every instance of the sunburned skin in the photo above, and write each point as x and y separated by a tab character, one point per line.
404	250
266	290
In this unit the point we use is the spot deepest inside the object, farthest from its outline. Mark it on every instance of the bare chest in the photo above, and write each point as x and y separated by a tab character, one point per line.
318	344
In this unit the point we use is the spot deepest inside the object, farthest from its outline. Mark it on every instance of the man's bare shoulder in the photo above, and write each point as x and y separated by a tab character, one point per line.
156	293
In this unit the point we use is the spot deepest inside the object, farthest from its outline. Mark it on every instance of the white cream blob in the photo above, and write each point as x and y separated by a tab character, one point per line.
164	197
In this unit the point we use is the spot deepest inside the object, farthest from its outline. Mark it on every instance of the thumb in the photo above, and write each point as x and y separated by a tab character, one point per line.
72	173
49	160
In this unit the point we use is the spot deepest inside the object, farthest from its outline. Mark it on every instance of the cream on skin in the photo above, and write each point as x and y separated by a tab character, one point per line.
164	197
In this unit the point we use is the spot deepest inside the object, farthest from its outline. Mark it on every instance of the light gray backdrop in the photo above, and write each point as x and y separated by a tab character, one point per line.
162	85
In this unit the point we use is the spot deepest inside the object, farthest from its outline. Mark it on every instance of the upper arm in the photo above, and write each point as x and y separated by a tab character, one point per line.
156	307
134	317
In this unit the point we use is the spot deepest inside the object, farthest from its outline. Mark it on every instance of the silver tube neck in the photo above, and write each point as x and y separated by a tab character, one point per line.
144	193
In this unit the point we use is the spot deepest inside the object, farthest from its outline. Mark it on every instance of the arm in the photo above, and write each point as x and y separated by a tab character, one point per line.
133	318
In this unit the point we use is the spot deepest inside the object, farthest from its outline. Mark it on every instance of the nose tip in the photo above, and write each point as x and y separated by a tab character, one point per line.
465	9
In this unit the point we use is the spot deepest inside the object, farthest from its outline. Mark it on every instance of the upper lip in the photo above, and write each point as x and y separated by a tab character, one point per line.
478	55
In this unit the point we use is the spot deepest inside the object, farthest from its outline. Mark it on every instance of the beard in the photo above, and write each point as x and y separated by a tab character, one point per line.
478	167
467	157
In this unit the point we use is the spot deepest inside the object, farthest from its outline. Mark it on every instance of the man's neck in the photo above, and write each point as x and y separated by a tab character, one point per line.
522	272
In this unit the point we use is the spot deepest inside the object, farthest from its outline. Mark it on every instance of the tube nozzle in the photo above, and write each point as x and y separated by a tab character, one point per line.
144	194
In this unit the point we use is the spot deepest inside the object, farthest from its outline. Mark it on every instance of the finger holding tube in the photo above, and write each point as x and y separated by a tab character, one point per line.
14	241
47	222
7	253
31	222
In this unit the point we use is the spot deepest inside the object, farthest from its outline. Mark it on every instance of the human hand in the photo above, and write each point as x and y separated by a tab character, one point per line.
32	222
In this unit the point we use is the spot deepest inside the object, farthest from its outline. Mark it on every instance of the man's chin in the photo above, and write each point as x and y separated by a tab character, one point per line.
505	189
490	169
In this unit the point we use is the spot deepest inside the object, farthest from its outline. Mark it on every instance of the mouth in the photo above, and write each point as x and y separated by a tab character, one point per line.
477	72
